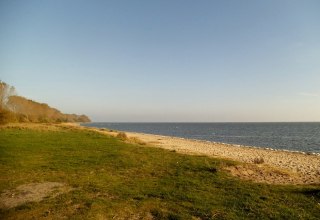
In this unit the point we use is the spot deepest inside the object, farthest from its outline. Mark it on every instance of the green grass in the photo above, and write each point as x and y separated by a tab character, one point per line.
113	179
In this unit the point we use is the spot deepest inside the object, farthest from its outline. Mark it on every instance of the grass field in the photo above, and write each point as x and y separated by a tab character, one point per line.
111	179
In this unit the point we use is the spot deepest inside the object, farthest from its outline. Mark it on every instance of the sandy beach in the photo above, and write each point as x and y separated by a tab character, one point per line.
257	164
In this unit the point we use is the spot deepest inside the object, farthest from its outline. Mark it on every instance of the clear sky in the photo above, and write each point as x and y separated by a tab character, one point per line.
166	60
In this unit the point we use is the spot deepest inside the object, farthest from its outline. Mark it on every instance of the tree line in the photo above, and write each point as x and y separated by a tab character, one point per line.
14	108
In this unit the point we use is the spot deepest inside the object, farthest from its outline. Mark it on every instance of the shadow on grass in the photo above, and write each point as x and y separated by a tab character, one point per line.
312	192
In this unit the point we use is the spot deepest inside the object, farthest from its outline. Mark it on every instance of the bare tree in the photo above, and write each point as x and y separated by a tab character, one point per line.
5	92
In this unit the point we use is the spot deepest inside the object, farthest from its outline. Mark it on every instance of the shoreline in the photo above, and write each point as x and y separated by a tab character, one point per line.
215	142
249	146
231	144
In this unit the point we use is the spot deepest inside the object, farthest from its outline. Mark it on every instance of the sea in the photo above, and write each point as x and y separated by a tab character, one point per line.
293	136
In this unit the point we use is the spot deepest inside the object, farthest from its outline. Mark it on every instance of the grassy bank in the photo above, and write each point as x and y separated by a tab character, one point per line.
111	179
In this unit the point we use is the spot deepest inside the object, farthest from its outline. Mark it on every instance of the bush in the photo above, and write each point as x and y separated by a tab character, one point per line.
122	136
22	118
258	160
6	116
136	140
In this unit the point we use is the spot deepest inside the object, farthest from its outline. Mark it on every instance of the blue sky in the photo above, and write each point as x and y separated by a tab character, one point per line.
174	60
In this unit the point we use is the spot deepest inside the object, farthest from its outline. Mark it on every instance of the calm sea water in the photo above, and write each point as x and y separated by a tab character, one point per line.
286	136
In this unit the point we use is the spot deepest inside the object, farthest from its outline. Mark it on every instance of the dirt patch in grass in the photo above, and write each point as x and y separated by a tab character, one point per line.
266	174
32	192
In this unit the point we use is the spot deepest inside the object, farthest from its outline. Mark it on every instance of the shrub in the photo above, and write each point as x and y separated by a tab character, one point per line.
122	136
258	160
6	116
136	140
22	118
